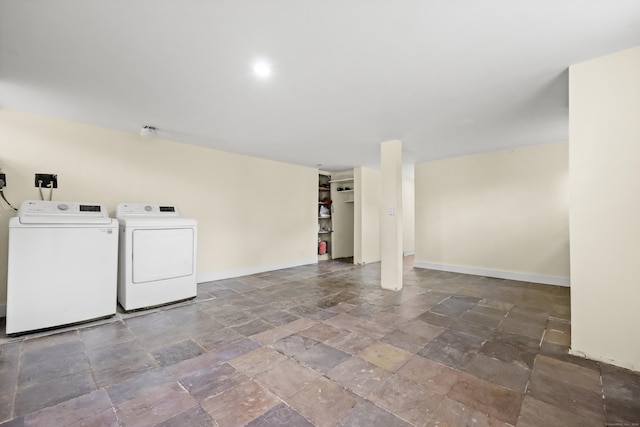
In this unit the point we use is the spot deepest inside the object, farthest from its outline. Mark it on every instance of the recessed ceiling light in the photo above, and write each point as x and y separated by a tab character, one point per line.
262	69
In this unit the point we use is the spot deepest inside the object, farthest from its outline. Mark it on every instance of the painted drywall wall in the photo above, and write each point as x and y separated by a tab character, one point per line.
253	214
367	216
342	216
605	208
391	228
501	214
408	216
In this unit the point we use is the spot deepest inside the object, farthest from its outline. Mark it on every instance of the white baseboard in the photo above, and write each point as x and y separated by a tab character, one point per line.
3	310
500	274
228	274
411	252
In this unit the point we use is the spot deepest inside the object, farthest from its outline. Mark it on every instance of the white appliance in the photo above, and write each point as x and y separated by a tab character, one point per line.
157	258
63	265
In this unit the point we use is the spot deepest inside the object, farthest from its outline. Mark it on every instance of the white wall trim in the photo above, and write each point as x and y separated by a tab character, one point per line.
409	252
500	274
3	310
227	274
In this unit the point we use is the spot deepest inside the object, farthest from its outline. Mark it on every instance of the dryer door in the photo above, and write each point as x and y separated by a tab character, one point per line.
160	254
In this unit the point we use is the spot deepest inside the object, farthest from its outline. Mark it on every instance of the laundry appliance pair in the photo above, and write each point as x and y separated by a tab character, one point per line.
70	262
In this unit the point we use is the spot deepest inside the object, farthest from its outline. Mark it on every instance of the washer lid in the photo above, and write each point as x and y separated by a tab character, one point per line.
50	212
146	210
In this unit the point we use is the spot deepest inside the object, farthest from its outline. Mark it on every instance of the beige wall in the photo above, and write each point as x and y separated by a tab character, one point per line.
342	217
253	214
367	216
391	228
605	208
408	216
501	214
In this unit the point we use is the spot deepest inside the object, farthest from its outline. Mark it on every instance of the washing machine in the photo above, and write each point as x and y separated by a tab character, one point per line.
157	257
62	266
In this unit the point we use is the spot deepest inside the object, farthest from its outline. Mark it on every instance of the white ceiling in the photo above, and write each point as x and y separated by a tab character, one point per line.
446	77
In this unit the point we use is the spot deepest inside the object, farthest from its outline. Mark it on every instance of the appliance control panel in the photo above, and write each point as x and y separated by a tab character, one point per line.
125	210
51	212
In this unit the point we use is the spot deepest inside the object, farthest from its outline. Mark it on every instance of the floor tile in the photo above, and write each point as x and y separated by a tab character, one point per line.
138	384
256	361
294	344
454	306
433	375
385	356
239	405
557	337
52	392
452	348
90	409
485	397
235	349
213	381
501	373
475	340
108	334
562	353
366	414
271	336
195	416
175	353
451	413
298	325
155	406
52	342
321	358
569	373
287	378
323	402
358	375
278	317
374	328
435	319
535	413
406	399
252	328
583	403
511	348
235	318
423	329
320	332
521	327
34	372
351	342
218	338
406	341
407	311
344	321
280	416
621	389
194	365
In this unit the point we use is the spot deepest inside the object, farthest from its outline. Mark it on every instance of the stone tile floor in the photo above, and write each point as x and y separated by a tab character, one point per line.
322	345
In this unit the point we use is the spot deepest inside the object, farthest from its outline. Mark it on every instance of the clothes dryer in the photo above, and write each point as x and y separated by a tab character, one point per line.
157	256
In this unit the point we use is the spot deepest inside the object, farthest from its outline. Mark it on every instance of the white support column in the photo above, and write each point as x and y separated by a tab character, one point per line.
391	215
